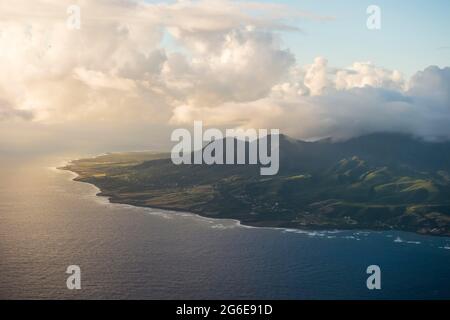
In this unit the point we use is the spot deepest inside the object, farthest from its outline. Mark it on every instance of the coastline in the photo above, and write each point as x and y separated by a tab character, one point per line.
110	199
238	223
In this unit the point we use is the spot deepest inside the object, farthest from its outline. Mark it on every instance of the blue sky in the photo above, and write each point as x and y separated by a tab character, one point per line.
414	33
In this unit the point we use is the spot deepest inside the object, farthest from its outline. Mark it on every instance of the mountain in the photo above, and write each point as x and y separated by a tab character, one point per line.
378	182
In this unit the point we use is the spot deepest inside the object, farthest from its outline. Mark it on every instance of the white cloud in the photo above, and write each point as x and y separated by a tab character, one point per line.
423	110
316	77
120	46
362	74
219	61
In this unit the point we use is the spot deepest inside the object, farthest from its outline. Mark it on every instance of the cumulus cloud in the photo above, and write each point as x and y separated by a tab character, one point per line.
117	62
135	63
247	66
423	109
362	74
316	77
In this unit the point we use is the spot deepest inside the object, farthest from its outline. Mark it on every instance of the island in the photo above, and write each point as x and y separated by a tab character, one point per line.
384	181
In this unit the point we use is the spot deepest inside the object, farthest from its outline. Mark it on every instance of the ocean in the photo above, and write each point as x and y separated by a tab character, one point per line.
49	222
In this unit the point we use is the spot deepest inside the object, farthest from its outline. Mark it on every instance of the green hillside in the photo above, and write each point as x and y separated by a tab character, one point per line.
381	181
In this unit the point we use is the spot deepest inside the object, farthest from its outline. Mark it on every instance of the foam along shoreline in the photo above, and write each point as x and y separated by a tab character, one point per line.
237	223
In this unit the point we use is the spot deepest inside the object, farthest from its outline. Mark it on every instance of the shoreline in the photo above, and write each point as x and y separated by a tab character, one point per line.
238	223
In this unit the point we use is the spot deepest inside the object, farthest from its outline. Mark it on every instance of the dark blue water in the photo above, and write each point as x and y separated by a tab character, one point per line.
48	222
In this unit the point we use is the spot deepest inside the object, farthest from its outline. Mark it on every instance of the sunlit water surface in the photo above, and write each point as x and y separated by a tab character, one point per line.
48	222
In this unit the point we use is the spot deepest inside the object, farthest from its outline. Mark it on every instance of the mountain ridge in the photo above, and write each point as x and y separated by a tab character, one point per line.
379	181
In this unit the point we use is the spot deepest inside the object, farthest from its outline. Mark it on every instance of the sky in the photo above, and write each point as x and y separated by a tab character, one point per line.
413	33
135	70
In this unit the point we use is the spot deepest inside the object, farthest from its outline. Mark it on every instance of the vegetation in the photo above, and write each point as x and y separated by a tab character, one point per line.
380	181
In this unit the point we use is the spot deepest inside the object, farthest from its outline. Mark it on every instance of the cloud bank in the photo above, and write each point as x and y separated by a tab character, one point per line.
139	64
